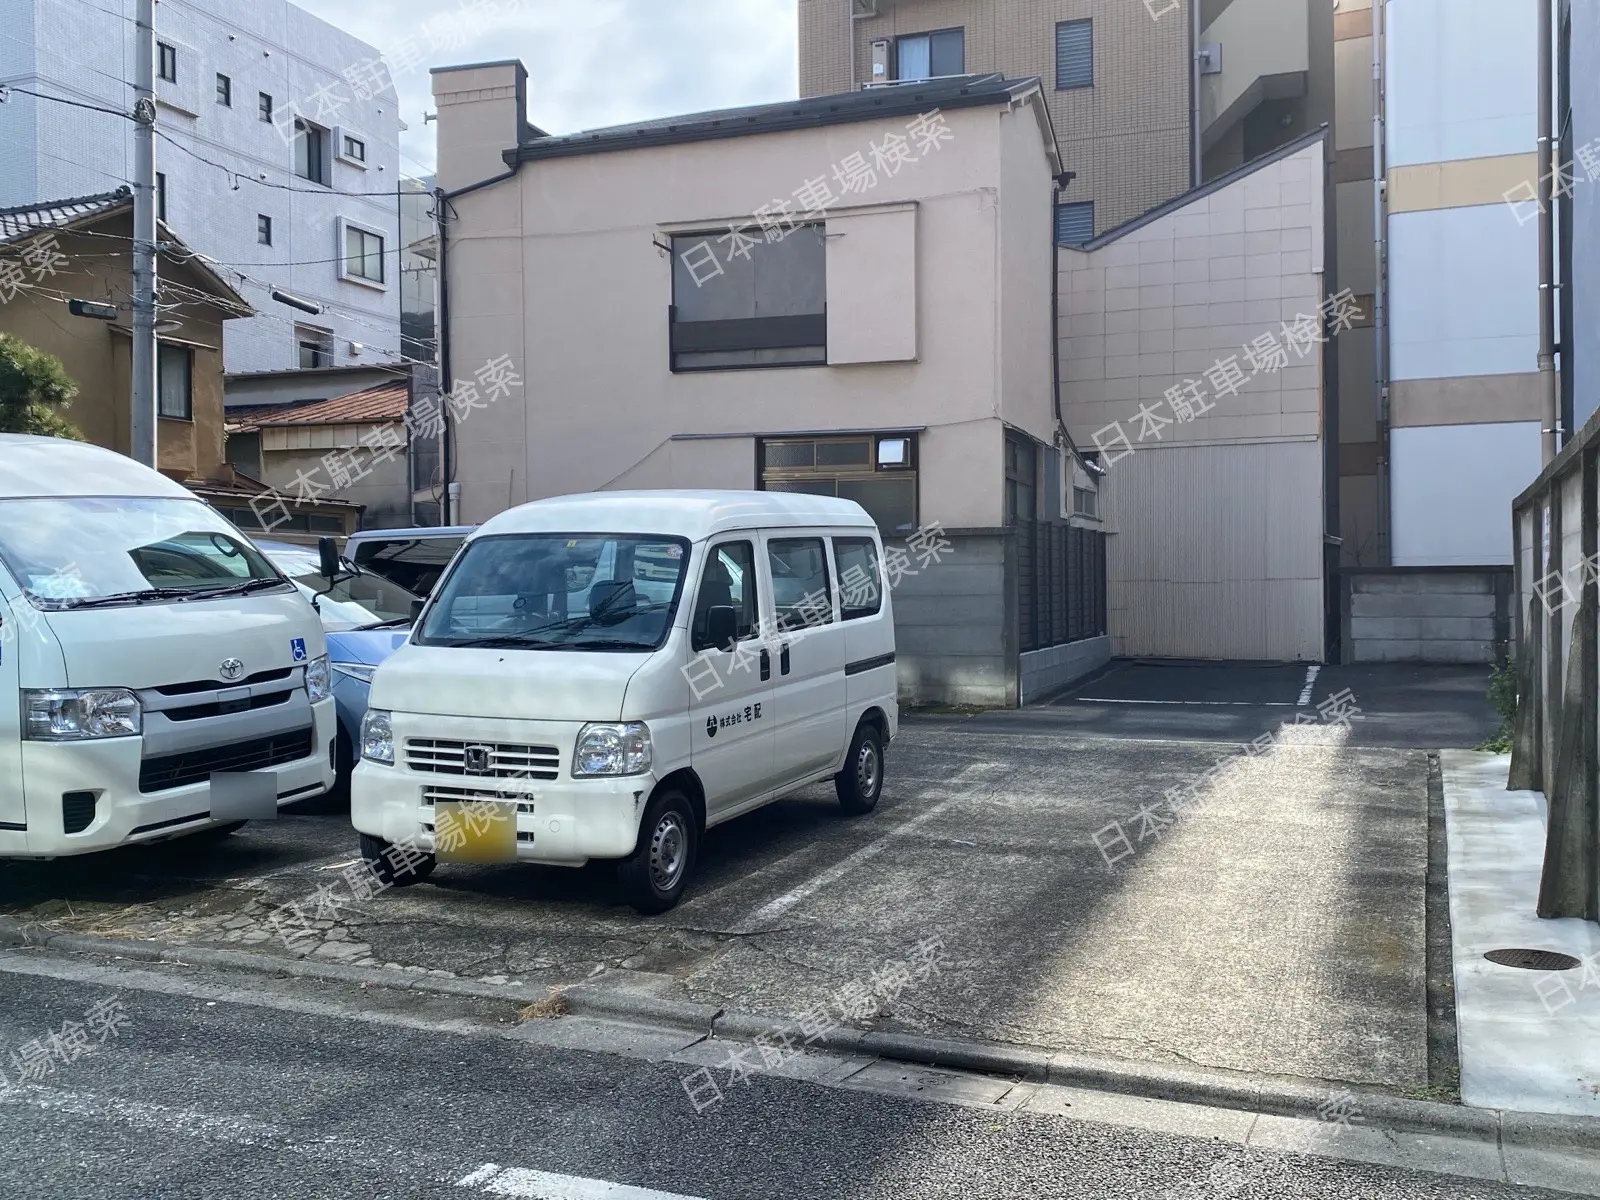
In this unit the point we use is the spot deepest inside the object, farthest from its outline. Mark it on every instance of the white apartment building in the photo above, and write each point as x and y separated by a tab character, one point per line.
277	156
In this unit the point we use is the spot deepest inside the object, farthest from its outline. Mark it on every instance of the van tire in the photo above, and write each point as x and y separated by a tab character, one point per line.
654	876
861	782
375	851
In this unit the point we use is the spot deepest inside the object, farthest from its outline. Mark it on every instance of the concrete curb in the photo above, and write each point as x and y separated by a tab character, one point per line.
1155	1081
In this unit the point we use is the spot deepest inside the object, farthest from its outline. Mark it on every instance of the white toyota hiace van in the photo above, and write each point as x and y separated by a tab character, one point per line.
614	673
145	647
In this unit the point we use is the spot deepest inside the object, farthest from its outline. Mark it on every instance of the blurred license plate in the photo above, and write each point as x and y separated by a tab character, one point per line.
475	831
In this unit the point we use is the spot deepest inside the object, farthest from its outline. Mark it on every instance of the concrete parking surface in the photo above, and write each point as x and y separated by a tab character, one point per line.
1277	925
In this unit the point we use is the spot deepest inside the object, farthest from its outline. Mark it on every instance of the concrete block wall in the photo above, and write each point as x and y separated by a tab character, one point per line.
1044	672
951	638
1426	616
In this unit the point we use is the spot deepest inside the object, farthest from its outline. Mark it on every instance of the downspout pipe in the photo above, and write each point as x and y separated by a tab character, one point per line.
1550	432
447	466
1196	167
1380	300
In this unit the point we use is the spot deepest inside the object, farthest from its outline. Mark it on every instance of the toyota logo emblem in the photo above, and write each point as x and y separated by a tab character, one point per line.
477	759
231	669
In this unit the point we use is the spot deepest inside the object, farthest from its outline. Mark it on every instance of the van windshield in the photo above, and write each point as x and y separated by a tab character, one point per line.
559	591
100	552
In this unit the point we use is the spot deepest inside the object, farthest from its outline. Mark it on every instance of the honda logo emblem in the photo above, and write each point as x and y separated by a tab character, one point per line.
230	669
477	759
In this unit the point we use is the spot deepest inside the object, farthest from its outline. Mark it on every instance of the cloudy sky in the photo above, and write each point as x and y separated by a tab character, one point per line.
590	62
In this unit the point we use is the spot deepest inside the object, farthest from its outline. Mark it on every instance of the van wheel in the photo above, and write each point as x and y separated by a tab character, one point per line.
376	852
654	875
861	782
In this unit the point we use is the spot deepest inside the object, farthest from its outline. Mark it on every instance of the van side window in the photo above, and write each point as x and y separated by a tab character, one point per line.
729	579
860	586
801	595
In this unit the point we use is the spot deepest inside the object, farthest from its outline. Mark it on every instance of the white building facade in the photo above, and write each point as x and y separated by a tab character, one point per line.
277	156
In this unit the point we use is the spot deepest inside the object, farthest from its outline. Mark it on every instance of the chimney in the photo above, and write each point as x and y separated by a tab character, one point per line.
482	111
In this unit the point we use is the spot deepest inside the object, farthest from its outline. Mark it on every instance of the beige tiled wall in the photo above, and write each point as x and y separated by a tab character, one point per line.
1127	137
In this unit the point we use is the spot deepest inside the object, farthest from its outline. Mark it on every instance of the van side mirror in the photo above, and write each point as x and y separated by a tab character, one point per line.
416	610
328	564
722	626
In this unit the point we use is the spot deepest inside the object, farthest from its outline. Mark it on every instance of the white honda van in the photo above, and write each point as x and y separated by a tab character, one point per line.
612	674
147	650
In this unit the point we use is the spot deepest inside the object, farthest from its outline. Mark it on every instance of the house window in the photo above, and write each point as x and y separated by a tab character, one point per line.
167	62
764	307
1074	223
161	196
264	106
878	472
310	152
927	55
1074	54
355	148
224	91
315	347
174	386
1084	502
263	229
1022	479
363	254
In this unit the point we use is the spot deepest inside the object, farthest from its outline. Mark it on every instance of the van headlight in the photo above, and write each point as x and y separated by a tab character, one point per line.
317	679
72	715
377	737
612	749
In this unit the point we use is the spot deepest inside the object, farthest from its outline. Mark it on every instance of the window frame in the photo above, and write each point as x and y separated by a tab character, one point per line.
869	471
784	618
1087	22
313	135
318	341
801	331
167	62
264	108
1023	448
163	349
697	637
224	90
1076	206
263	229
359	155
857	614
928	35
161	195
346	227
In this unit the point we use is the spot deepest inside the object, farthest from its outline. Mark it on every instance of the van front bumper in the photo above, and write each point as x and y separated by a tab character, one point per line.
560	822
109	769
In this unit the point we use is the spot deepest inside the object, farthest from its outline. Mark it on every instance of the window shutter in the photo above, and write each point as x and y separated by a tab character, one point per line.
1074	223
1075	54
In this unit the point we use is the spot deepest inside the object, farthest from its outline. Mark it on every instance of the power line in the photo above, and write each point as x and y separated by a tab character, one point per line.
110	112
285	187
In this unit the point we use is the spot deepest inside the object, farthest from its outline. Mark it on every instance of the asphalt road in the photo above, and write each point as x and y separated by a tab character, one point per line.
255	1096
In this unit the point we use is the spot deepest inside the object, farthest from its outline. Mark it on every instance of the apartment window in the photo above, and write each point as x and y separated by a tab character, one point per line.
161	196
224	91
1074	223
315	347
263	229
1022	479
877	471
765	306
363	254
926	55
1074	54
355	148
167	62
310	152
264	106
174	386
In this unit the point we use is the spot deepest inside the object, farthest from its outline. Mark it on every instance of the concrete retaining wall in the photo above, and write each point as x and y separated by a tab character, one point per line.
1053	668
1426	614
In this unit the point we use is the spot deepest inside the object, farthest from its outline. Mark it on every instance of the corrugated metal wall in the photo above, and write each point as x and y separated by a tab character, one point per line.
1217	551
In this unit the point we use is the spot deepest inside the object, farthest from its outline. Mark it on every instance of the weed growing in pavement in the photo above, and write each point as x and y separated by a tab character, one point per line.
1503	696
553	1005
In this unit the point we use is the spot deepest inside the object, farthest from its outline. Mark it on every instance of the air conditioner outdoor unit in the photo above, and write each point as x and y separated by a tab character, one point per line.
863	8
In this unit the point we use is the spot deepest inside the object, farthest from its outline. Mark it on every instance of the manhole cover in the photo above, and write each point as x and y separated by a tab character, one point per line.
1533	960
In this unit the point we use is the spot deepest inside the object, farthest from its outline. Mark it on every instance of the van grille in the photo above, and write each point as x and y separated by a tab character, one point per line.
505	760
195	766
212	685
455	795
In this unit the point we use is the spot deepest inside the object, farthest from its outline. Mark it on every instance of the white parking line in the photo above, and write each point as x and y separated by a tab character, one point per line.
1311	678
1193	703
542	1185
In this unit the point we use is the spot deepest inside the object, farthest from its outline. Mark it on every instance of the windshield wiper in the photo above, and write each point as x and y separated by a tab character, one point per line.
603	644
231	589
582	623
500	642
390	623
139	597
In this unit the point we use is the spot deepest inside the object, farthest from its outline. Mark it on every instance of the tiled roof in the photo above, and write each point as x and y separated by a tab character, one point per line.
29	219
382	402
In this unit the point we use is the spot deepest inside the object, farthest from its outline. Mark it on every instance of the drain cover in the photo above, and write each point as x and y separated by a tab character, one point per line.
1533	960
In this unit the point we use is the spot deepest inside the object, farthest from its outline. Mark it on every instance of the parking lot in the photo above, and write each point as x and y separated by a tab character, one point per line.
1084	874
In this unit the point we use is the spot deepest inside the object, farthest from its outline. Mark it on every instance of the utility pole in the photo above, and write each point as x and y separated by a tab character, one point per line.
142	418
1549	384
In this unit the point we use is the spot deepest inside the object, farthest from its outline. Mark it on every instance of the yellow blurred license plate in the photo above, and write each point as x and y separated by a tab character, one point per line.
475	831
